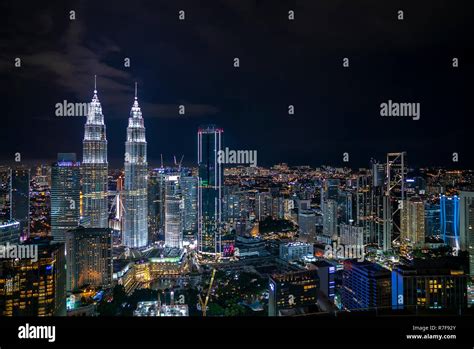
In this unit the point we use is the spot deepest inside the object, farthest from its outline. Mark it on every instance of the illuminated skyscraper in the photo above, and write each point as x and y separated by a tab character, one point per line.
189	186
20	200
173	213
89	257
65	192
413	221
209	191
135	228
94	168
449	219
467	226
156	199
30	287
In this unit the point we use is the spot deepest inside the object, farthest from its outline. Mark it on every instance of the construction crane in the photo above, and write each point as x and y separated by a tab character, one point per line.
176	163
204	304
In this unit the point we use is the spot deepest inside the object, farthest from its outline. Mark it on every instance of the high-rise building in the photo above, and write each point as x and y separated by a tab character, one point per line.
173	212
329	191
154	198
326	273
330	219
291	251
5	193
20	199
89	257
394	195
65	195
365	286
209	191
430	284
351	234
9	232
467	226
31	287
292	292
135	227
94	168
449	220
189	185
413	221
432	219
307	225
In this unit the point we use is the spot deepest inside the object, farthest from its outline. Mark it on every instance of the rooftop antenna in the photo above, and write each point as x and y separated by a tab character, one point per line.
135	90
161	160
95	83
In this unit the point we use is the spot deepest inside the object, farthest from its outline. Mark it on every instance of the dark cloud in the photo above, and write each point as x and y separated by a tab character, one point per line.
282	63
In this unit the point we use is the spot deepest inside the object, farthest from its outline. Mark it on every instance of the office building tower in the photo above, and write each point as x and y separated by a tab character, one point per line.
330	219
65	195
351	235
363	208
449	220
152	199
437	283
209	192
347	205
293	293
156	201
173	212
394	194
20	200
9	232
365	286
94	168
5	193
263	205
307	225
34	288
329	191
413	222
432	219
291	251
135	227
89	257
327	283
189	189
466	231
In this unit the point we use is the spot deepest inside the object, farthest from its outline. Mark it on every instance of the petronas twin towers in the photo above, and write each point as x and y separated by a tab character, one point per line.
135	225
94	175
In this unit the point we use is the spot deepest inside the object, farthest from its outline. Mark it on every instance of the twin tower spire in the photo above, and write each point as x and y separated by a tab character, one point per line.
95	213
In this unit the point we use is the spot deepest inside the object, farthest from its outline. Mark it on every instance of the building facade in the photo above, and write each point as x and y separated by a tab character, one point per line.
89	257
209	191
65	195
135	227
94	168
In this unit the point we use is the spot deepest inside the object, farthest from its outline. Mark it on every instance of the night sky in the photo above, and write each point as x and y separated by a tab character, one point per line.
282	62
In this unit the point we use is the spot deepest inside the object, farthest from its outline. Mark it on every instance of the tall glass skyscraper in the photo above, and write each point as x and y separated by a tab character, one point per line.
173	213
94	168
20	199
189	186
135	231
209	191
65	195
449	219
156	198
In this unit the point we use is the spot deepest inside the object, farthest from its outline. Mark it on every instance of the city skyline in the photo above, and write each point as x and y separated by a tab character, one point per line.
250	164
